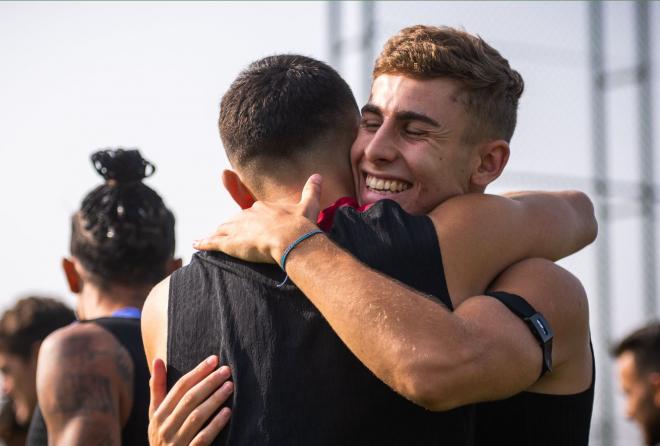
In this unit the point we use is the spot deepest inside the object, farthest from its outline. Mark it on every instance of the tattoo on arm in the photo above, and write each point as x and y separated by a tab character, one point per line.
83	398
83	393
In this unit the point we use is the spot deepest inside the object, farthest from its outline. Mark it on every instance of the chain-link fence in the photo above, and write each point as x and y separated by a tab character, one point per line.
585	122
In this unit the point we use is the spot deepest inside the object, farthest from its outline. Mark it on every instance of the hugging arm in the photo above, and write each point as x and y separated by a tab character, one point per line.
481	235
436	358
180	416
417	347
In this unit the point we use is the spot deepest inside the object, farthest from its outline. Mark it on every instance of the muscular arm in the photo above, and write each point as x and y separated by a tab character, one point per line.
84	386
433	357
436	358
481	235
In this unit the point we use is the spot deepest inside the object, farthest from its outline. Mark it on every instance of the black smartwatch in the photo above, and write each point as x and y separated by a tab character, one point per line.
537	324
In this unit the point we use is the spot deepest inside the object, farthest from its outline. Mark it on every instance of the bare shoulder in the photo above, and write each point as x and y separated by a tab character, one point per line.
154	322
83	373
84	347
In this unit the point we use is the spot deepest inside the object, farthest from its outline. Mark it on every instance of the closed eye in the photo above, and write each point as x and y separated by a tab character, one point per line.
411	131
370	124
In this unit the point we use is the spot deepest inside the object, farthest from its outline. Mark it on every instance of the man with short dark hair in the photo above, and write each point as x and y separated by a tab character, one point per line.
638	362
22	329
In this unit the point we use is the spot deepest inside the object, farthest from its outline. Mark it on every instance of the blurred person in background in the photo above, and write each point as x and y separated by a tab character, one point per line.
11	433
638	363
22	329
92	376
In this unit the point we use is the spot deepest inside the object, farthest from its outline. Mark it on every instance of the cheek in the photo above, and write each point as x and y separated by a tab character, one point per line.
357	149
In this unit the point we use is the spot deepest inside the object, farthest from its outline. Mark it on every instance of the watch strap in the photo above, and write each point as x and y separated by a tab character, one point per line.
537	324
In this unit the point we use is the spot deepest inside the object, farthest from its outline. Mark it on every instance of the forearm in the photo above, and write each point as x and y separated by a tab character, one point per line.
566	219
401	335
481	235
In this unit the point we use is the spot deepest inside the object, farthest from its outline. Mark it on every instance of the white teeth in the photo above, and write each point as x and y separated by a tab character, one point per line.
378	184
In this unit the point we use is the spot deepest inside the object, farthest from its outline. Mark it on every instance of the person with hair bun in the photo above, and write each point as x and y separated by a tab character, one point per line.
92	376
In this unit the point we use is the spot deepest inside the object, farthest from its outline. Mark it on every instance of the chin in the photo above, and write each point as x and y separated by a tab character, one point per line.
22	416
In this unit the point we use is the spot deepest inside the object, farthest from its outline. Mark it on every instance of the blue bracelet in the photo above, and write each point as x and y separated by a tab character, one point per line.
289	248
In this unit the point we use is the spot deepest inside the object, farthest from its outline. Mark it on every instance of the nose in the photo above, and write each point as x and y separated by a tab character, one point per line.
382	148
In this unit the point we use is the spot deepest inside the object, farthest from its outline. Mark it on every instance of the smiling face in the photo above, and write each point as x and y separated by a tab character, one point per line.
409	146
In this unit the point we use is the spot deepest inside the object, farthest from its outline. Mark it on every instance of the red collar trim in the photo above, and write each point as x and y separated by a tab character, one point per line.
327	215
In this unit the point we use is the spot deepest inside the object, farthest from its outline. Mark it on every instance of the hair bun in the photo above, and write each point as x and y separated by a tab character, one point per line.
122	166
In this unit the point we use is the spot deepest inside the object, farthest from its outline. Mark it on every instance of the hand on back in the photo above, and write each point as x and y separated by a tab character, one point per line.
176	418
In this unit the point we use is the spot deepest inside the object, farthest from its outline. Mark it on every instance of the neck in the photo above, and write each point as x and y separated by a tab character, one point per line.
332	189
95	302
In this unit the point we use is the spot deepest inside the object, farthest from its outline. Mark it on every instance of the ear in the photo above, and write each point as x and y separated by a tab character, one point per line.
493	157
173	265
72	276
654	381
237	189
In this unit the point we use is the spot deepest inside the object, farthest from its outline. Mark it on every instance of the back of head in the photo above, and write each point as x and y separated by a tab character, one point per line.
490	87
123	233
29	321
644	344
285	108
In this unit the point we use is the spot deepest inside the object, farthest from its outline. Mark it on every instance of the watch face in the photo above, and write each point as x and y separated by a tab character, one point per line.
542	331
541	327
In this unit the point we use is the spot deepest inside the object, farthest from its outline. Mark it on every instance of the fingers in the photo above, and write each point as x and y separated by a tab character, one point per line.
204	411
213	243
311	196
212	430
194	409
157	385
188	381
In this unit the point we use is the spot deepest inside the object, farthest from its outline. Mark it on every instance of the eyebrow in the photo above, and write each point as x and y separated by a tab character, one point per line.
402	115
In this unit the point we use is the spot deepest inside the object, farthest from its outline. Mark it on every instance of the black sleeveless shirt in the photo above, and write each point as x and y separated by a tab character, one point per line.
296	383
127	332
537	419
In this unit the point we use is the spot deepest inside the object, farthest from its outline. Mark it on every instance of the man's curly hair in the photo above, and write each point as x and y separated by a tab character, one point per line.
123	232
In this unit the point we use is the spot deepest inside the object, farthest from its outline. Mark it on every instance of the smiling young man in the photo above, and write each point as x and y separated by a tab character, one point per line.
412	343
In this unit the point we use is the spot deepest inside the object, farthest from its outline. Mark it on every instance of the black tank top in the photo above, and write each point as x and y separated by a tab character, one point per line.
127	332
296	383
536	419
